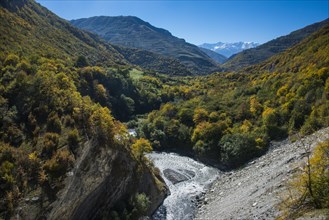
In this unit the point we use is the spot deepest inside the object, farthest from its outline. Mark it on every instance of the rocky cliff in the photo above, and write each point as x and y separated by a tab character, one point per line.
102	180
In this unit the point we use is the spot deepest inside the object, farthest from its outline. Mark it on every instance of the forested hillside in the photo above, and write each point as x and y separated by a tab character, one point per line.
132	32
56	129
231	117
33	30
261	53
65	95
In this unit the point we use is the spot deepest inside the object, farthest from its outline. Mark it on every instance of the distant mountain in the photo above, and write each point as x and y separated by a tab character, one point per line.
58	38
133	32
267	50
215	56
228	49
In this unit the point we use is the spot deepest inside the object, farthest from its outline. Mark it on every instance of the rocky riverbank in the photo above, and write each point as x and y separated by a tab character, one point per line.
186	179
254	191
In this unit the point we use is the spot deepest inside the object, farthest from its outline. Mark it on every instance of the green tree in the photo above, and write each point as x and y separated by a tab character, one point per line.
81	62
236	149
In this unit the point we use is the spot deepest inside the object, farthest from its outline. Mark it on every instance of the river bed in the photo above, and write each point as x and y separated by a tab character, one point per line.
187	179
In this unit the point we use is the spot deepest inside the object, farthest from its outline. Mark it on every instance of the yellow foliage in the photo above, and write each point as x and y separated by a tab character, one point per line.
200	115
260	142
245	127
255	106
282	91
140	147
268	111
33	156
309	189
102	124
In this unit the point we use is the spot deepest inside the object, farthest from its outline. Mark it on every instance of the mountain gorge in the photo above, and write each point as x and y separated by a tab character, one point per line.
68	97
133	32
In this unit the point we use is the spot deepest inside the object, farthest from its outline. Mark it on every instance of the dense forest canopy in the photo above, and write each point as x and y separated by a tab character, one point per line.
231	117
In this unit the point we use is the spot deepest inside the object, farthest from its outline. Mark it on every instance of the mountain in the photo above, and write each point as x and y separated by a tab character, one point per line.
231	117
62	153
32	30
133	32
265	51
154	61
228	49
215	56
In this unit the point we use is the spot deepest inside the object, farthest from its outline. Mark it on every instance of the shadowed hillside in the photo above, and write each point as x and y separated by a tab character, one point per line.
133	32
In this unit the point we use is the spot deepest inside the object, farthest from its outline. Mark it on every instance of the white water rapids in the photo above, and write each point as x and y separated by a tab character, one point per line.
194	178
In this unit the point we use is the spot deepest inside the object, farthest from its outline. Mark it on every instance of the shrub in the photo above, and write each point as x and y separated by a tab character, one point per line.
11	60
54	123
309	189
59	164
236	149
141	203
50	144
73	139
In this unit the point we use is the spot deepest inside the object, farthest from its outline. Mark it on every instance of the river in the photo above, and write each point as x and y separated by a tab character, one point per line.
187	179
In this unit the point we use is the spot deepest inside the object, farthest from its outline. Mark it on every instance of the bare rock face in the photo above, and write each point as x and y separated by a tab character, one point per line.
102	177
177	177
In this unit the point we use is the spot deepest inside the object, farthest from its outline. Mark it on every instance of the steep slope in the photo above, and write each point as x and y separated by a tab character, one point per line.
154	61
255	191
215	56
33	30
265	51
229	118
62	155
133	32
228	49
310	54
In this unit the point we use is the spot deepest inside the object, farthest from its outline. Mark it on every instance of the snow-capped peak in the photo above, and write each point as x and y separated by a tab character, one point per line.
228	49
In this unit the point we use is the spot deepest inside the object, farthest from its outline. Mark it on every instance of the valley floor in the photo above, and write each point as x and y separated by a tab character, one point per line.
254	191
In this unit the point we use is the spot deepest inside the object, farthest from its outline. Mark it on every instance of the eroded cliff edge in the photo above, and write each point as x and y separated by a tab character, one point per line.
103	180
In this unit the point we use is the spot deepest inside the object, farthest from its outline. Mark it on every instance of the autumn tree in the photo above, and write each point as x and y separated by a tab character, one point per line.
140	147
309	189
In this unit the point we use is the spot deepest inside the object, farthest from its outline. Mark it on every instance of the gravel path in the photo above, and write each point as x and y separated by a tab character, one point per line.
253	191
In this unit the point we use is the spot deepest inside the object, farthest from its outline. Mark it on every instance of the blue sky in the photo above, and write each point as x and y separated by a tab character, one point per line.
206	21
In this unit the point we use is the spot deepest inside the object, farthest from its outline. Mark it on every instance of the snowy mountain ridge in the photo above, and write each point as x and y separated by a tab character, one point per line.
228	49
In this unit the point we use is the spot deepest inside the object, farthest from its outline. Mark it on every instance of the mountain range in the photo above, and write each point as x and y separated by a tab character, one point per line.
65	152
132	32
275	46
228	49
